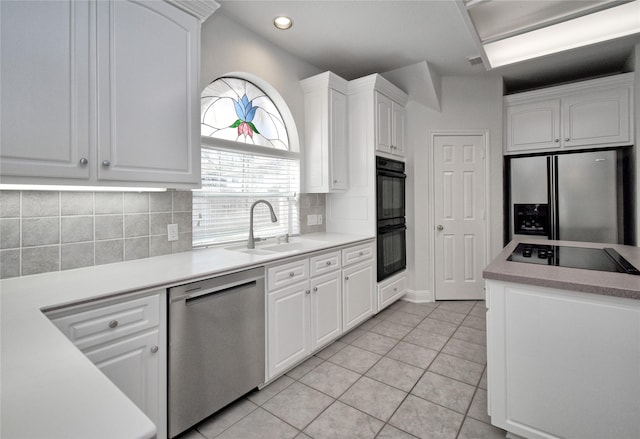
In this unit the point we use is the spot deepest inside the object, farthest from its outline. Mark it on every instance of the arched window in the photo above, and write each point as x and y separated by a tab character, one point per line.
245	157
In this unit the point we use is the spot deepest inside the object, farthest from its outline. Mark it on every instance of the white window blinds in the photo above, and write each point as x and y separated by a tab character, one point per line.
231	182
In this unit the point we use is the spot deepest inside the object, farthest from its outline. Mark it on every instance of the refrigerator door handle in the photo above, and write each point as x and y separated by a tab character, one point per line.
552	176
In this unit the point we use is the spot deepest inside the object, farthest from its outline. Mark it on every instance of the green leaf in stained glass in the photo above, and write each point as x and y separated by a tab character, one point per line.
253	127
236	124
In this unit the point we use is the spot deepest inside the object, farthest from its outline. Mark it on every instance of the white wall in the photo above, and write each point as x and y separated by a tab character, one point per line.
228	47
468	103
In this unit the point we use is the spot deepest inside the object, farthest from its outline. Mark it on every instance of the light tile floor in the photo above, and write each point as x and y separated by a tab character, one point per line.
413	370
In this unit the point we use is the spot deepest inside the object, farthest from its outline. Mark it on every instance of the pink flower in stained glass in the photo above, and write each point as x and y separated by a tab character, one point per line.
245	129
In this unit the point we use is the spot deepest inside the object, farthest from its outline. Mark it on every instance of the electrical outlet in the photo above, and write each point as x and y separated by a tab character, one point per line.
312	220
172	231
319	221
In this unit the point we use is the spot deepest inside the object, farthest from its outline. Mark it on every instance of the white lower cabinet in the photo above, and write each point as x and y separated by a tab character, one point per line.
391	290
562	364
304	316
288	333
326	309
126	340
358	288
358	294
312	301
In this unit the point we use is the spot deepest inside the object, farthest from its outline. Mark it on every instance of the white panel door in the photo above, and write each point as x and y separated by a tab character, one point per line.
45	88
326	309
148	104
338	140
459	216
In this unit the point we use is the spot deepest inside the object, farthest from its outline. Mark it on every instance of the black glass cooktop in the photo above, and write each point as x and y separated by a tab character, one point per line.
606	259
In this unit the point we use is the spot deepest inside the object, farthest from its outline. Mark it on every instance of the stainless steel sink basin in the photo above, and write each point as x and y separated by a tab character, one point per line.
298	245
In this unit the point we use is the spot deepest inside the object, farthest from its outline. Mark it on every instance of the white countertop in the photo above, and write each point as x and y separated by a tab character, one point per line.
49	389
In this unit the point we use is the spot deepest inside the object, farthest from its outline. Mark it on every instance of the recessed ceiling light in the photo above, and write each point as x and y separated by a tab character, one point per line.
282	22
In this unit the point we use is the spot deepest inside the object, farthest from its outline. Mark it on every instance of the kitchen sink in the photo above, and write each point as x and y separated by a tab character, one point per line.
270	248
298	245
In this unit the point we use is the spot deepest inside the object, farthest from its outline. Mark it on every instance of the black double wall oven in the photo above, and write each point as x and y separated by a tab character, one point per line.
391	233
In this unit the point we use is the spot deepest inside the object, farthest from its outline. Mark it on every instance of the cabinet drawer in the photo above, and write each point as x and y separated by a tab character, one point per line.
357	253
325	263
104	324
287	274
389	293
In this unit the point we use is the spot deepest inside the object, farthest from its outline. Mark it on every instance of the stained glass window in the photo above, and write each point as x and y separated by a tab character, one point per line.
237	110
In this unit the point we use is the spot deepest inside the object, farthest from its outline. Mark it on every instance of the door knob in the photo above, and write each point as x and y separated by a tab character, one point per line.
440	227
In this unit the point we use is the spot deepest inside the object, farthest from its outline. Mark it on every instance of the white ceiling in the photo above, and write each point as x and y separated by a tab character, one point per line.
354	38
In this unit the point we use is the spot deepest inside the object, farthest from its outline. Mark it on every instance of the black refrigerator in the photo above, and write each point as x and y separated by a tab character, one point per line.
578	196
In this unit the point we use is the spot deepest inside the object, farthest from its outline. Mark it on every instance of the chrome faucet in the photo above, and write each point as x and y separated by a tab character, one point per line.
274	218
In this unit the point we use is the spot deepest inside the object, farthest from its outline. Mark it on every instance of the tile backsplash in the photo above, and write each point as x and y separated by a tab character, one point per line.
43	231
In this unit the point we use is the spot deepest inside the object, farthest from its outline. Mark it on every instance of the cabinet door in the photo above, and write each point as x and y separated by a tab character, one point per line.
597	118
533	126
134	365
383	123
148	93
389	293
338	140
326	309
45	88
357	294
288	327
397	139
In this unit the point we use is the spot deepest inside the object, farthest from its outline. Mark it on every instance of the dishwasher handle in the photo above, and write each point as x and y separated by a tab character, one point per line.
200	292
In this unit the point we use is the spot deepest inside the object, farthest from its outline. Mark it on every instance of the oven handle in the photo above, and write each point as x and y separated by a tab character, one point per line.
389	229
391	174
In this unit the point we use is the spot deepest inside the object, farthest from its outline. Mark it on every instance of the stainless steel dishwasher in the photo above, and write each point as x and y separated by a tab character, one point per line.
216	345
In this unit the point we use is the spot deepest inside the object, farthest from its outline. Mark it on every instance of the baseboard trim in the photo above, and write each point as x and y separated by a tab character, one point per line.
418	296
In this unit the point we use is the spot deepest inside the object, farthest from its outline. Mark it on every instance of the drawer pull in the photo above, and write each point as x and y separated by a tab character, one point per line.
154	349
307	292
361	254
395	289
346	278
113	324
292	274
315	289
328	263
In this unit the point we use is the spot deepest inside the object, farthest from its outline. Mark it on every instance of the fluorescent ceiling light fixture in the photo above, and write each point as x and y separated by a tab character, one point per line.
52	187
282	22
594	28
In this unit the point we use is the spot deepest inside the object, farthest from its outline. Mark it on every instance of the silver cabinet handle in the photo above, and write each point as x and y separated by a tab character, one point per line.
566	139
440	227
335	181
395	289
556	140
292	274
328	263
346	278
113	324
154	349
307	292
361	254
106	163
84	161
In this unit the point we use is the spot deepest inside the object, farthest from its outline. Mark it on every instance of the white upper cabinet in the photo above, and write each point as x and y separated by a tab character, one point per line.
596	113
389	125
100	93
326	158
148	93
45	89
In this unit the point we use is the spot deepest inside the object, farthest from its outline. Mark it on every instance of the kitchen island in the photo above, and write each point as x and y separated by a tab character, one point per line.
563	347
